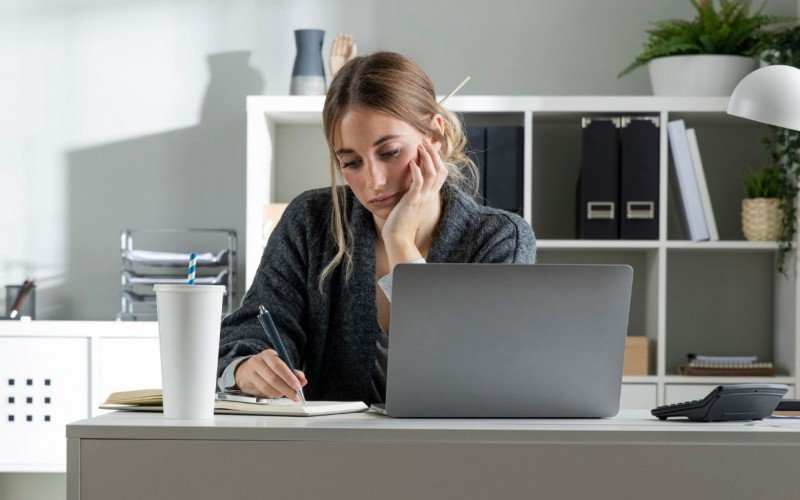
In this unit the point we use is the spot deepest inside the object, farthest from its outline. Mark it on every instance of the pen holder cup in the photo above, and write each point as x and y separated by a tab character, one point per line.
28	307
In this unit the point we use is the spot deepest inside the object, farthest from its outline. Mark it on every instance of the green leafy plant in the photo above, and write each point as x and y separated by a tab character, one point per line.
783	145
729	29
782	46
764	183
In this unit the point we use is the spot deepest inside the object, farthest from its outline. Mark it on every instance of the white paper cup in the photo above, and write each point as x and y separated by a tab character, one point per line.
189	318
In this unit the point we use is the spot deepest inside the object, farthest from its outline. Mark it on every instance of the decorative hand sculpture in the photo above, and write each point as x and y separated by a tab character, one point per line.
343	50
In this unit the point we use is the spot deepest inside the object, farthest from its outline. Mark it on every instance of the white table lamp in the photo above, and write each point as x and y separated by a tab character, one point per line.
769	95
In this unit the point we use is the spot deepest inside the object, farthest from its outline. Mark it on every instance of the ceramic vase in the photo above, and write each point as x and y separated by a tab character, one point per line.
308	74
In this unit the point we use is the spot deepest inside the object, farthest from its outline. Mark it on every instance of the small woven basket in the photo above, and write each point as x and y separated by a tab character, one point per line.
761	219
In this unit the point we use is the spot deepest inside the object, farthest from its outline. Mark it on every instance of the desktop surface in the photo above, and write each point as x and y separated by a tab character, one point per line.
366	455
631	423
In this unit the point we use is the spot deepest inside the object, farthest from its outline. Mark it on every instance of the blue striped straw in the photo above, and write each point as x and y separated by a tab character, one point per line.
192	267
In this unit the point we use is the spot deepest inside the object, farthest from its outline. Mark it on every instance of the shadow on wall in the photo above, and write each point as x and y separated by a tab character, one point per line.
192	177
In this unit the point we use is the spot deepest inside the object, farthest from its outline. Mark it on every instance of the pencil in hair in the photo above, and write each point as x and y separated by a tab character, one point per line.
454	90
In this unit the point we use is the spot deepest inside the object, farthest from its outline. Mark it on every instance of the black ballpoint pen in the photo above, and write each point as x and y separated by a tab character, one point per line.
272	333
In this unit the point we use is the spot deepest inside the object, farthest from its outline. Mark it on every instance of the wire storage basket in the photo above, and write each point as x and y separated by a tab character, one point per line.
144	267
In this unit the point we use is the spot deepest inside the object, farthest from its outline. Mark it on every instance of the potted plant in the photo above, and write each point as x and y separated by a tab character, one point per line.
761	211
707	55
783	145
781	46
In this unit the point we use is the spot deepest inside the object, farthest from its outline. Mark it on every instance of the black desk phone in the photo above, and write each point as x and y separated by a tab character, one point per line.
728	402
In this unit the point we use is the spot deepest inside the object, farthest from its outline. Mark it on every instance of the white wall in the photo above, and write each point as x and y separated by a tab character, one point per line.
131	113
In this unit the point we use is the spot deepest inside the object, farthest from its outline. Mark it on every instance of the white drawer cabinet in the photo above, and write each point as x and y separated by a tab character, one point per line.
44	387
637	396
56	372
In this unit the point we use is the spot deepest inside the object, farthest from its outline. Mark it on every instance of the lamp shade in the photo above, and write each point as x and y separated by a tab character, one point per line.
770	95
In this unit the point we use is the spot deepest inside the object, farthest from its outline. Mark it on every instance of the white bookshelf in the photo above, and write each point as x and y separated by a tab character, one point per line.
668	271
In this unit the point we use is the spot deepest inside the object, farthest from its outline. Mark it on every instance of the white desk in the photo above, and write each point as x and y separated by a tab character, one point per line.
125	455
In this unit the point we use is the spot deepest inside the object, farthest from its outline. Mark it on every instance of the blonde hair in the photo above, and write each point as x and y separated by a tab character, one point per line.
392	84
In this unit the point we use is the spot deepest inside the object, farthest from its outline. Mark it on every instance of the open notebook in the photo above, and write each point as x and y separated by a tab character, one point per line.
150	400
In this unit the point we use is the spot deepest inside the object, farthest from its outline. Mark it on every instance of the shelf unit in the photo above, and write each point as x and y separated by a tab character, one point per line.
716	296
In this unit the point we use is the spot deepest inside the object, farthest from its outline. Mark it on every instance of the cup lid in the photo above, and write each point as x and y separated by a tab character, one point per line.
189	288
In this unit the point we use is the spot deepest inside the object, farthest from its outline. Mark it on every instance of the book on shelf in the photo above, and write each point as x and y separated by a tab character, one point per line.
504	167
498	154
151	400
721	368
683	172
476	150
721	359
779	413
705	197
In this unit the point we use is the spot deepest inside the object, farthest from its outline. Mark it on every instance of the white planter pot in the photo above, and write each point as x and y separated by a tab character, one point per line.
698	75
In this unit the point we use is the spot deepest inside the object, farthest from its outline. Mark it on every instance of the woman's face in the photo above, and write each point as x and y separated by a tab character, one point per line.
374	156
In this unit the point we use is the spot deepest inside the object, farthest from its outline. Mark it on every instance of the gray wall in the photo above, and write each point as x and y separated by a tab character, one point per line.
131	113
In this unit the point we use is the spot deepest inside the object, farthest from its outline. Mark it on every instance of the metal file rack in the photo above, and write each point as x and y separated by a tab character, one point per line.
141	269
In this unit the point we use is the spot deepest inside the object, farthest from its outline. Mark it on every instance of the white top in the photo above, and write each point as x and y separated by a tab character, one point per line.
631	426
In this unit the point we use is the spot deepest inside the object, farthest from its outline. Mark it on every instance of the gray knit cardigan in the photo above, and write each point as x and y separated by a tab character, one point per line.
332	336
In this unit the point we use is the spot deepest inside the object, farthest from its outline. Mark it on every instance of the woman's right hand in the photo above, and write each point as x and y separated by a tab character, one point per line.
266	375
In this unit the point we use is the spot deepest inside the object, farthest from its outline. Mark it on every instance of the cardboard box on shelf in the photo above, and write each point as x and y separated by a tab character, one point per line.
636	356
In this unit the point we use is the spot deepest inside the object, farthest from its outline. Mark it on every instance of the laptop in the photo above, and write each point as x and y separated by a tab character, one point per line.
507	340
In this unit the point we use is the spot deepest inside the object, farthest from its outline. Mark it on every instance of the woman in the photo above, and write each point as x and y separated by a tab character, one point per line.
325	275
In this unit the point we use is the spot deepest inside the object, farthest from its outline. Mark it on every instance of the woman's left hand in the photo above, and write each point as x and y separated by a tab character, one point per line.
426	182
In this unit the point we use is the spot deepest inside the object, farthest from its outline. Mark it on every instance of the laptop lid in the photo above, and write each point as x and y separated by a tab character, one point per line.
507	340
